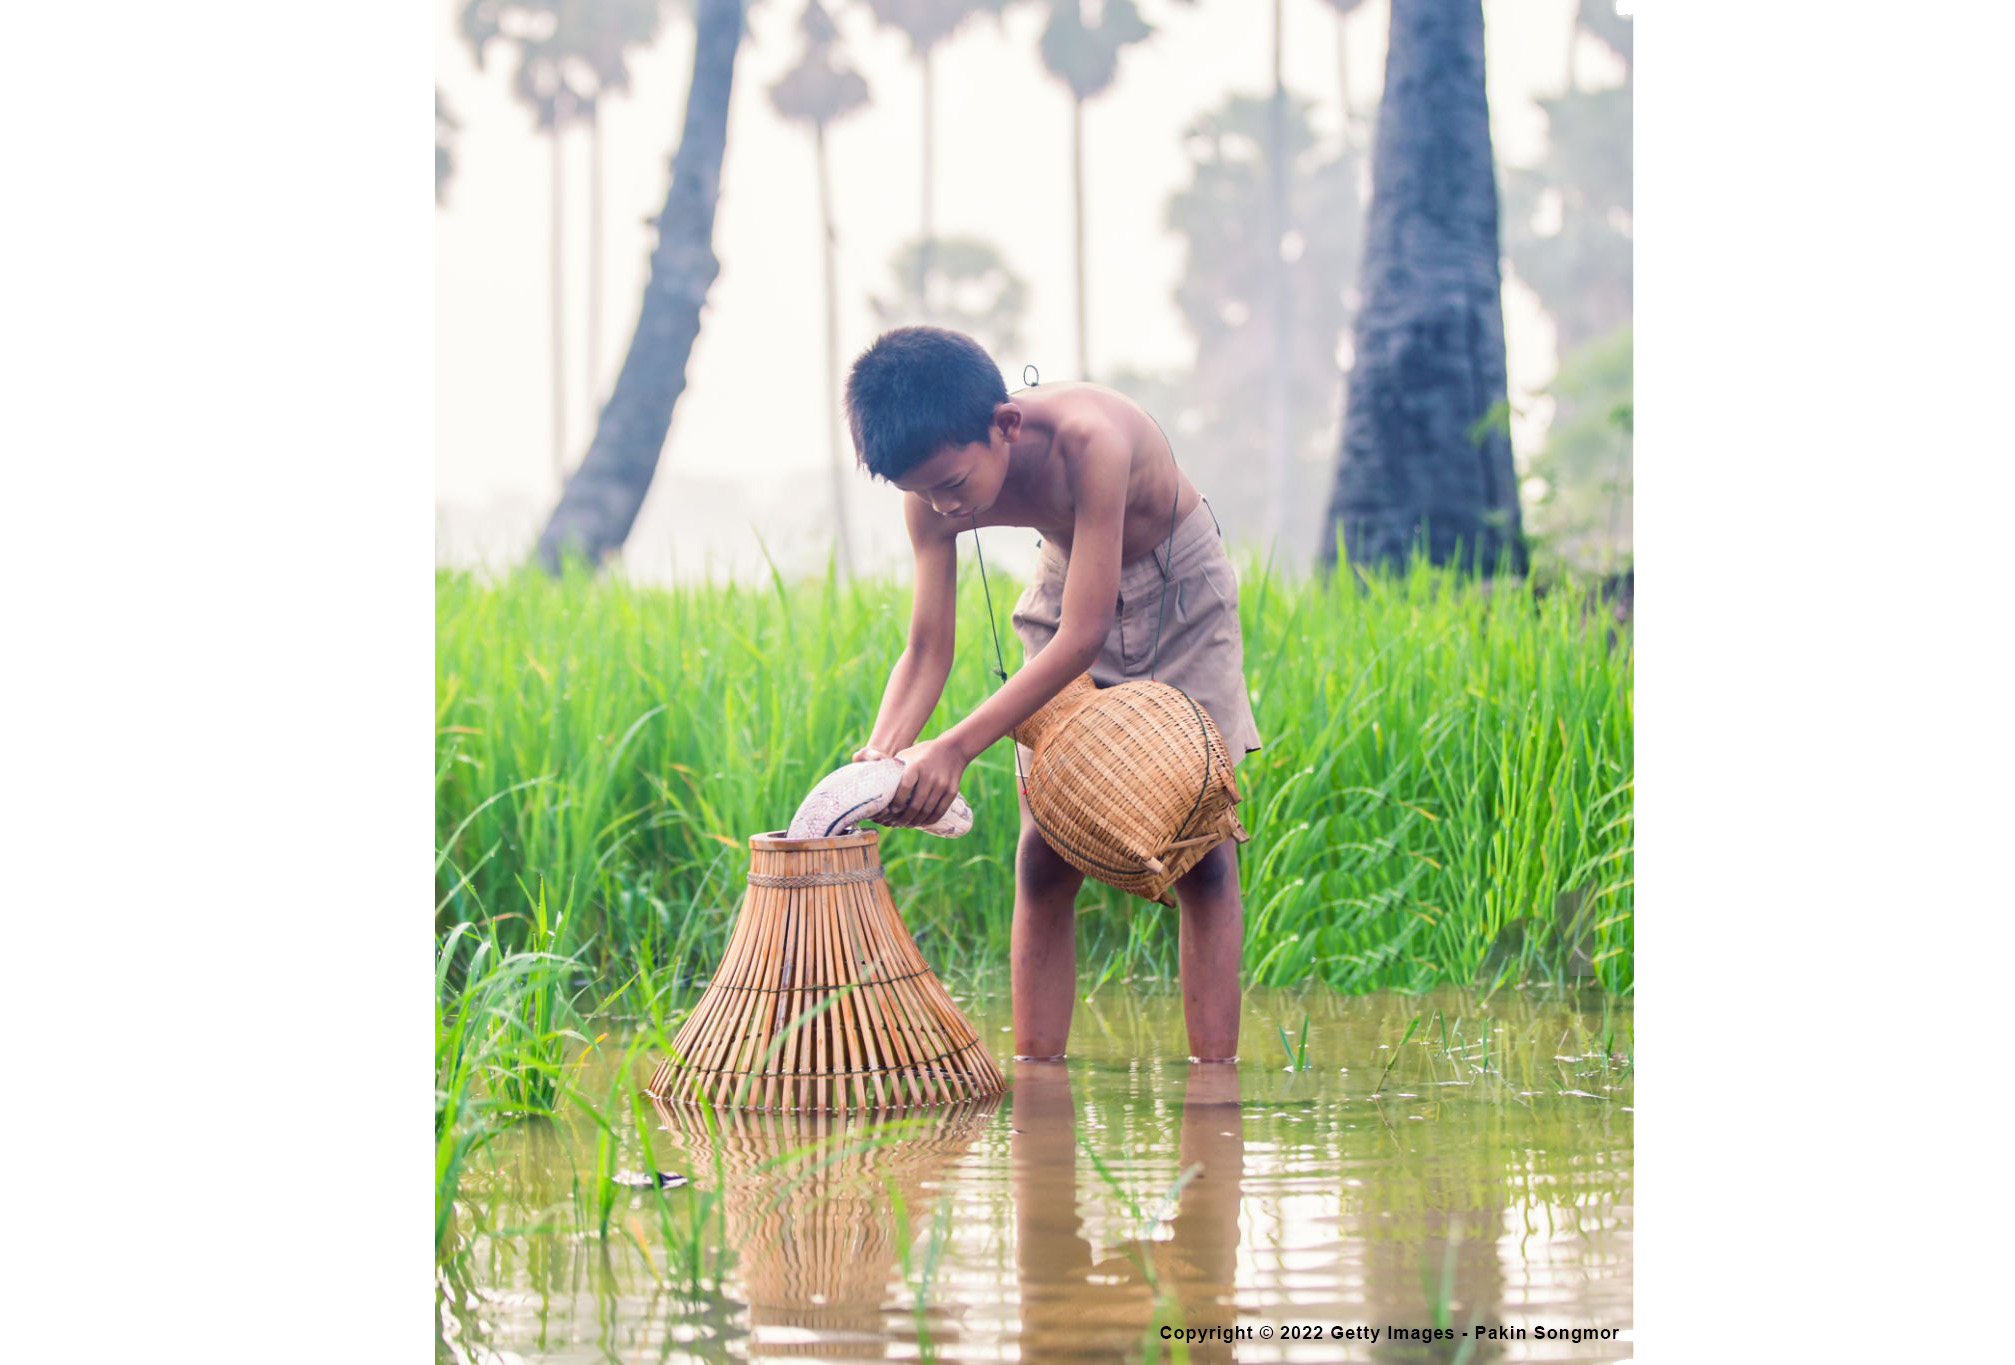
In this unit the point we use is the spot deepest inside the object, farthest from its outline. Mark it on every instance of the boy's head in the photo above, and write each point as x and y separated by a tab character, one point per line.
930	414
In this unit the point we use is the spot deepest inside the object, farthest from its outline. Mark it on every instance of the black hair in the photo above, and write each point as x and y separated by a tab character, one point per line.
916	391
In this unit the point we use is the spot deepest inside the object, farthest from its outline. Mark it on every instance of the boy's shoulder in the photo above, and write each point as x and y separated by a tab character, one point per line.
1085	414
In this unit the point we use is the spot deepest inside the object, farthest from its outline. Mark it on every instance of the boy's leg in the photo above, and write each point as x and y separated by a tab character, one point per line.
1212	935
1042	945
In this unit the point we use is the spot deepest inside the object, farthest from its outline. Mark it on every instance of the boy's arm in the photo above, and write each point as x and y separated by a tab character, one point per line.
1098	484
918	678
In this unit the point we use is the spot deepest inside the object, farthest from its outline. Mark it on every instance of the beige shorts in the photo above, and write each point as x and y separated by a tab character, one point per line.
1201	650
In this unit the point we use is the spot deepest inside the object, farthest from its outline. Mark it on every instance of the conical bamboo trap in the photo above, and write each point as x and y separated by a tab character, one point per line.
1130	784
805	1199
822	1001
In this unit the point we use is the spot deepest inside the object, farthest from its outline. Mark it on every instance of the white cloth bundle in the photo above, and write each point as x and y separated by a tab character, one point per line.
861	791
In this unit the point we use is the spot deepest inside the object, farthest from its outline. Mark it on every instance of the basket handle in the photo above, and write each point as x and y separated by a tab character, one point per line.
1155	866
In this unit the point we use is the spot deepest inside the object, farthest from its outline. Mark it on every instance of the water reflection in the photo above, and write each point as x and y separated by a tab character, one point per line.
814	1206
1070	1301
1478	1172
1437	1270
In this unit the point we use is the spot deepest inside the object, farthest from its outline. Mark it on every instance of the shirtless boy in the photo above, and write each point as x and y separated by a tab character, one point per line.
1091	472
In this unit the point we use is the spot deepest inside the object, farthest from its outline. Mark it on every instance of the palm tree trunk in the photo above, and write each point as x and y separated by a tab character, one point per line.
601	500
594	347
1077	228
842	540
1429	339
1343	75
558	306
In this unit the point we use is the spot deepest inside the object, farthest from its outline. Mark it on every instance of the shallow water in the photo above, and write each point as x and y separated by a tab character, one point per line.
1486	1179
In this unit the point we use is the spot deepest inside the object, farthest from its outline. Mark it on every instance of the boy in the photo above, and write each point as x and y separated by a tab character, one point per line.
1091	472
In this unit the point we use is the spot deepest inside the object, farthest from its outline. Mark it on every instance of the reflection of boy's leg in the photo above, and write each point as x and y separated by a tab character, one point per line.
1042	944
1051	1256
1203	1238
1211	936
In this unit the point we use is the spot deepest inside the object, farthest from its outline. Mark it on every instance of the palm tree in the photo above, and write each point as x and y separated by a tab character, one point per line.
1344	9
570	52
1419	458
1230	259
1577	257
445	128
971	288
594	39
1084	55
540	82
928	23
601	499
815	92
1568	235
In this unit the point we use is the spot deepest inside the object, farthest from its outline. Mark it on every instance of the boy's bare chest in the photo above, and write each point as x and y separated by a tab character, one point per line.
1048	508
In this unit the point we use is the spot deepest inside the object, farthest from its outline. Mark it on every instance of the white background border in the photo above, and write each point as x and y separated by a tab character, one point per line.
219	307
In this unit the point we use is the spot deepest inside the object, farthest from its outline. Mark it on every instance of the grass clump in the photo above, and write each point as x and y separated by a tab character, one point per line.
1445	793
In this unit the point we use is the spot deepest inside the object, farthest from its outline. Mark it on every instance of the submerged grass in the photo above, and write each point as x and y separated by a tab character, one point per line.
1444	796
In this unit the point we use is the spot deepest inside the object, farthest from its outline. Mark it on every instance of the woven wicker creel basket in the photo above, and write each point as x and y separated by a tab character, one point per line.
1130	784
822	1001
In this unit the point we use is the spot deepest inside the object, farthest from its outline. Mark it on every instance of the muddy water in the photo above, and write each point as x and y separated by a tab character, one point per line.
1475	1175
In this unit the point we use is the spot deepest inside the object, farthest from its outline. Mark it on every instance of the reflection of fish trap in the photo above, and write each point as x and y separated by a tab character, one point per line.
806	1200
1130	784
822	1001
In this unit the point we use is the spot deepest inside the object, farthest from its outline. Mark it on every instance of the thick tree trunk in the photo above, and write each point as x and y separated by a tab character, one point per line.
602	498
1430	337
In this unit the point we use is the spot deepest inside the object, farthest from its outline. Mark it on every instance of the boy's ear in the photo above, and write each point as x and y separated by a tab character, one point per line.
1007	419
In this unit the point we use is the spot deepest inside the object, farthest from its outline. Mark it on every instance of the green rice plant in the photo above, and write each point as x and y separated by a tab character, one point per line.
1448	763
919	1277
1440	1292
1403	1041
497	1053
1296	1061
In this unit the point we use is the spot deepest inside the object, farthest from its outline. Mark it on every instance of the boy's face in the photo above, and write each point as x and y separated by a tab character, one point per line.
962	480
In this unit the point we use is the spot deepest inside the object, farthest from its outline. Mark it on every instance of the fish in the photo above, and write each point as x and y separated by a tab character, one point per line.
861	791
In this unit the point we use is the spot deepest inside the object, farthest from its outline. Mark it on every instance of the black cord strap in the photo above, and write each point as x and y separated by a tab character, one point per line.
1166	563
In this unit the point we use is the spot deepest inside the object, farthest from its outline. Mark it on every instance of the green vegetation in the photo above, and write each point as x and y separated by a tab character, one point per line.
1445	794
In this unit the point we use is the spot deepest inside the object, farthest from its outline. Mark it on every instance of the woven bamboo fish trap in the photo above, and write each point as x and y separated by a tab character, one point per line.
822	1001
805	1200
1130	784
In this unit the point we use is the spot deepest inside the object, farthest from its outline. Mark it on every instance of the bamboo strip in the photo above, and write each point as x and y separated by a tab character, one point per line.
819	930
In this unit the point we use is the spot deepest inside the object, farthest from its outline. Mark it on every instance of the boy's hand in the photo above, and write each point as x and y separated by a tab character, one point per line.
931	773
867	753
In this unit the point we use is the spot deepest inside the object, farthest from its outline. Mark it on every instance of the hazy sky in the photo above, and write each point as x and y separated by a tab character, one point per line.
755	411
